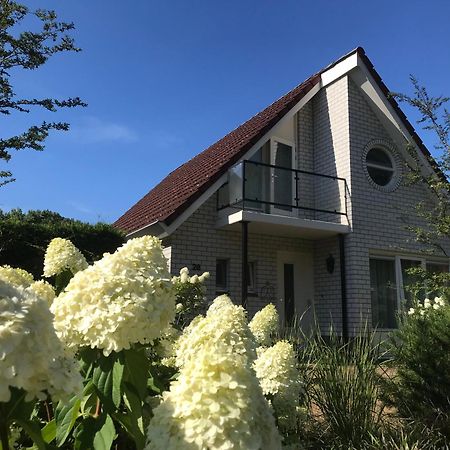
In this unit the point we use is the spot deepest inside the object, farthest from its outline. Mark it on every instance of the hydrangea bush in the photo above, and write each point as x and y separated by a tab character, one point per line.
216	402
31	356
124	299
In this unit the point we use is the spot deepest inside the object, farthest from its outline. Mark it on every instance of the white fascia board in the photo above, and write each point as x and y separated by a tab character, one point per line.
372	90
288	116
339	69
212	189
199	202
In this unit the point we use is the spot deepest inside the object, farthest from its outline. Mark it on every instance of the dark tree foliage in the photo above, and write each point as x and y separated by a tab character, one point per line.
29	50
24	238
434	117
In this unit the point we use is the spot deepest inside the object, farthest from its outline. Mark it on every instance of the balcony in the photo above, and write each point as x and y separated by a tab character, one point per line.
279	200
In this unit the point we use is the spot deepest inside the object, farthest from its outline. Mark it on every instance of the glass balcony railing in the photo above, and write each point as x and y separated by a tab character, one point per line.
278	190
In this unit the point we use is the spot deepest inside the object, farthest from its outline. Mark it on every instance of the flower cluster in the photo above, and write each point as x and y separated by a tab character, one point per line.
16	277
276	369
185	278
62	255
20	278
31	355
421	309
265	324
44	290
190	296
123	299
216	402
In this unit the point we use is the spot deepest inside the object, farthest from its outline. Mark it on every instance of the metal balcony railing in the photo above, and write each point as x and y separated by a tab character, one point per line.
279	190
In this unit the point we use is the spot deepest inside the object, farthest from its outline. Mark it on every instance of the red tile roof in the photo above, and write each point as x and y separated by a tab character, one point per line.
167	200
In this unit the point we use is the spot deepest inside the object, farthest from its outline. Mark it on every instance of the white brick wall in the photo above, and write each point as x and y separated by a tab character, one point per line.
332	132
197	241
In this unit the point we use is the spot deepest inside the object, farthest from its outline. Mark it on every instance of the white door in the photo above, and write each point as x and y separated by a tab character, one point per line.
283	178
295	276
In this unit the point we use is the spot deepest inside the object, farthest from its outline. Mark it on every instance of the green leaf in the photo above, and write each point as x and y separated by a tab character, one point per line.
49	431
136	370
34	432
107	378
85	432
132	427
152	385
62	280
105	436
65	417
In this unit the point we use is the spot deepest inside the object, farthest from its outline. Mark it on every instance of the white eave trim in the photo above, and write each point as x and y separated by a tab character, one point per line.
340	69
371	89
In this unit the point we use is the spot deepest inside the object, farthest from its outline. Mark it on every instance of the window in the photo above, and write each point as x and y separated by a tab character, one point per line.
380	166
383	289
251	278
391	286
222	275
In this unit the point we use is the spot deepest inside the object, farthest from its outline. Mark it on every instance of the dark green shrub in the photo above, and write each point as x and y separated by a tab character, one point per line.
24	238
420	350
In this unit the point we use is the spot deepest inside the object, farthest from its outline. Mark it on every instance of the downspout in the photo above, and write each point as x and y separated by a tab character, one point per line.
343	287
244	279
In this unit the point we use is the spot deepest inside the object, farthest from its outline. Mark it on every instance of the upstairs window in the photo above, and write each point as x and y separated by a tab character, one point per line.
380	166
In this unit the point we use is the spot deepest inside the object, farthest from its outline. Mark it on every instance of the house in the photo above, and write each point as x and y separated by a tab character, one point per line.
304	205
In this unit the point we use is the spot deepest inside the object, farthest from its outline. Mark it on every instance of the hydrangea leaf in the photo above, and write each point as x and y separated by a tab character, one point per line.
65	418
104	437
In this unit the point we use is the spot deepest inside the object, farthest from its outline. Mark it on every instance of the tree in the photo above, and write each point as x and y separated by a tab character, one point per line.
435	117
29	50
24	238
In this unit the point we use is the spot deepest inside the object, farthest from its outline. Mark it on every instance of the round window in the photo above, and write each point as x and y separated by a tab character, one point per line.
380	166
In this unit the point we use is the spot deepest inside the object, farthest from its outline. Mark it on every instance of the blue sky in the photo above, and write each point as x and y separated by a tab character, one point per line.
165	79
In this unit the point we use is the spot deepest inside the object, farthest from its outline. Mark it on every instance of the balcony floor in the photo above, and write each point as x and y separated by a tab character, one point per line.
278	225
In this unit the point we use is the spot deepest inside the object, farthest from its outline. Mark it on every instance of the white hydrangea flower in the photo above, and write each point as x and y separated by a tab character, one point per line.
62	255
203	277
123	299
185	278
276	369
31	355
16	277
439	301
264	324
184	275
44	290
216	402
411	311
427	303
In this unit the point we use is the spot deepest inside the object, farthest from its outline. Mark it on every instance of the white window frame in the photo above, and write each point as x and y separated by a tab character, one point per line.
399	275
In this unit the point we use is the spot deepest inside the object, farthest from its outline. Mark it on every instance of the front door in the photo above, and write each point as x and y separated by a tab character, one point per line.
295	276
